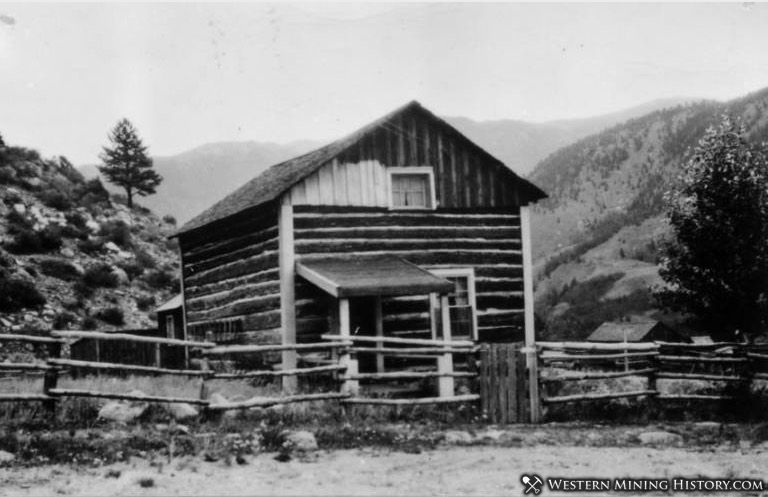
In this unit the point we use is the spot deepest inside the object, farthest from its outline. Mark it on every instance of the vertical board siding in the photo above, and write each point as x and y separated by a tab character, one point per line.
465	177
489	242
231	278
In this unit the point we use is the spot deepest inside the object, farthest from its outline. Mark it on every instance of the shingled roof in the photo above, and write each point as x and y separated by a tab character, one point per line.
271	183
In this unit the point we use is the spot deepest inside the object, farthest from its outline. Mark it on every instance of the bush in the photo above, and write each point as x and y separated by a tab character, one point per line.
7	175
56	199
17	222
169	219
62	320
17	294
100	276
35	242
58	268
132	269
145	302
91	245
111	315
144	259
89	324
161	279
117	232
92	195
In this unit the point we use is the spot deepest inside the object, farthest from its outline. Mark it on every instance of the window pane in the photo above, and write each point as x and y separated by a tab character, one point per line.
410	190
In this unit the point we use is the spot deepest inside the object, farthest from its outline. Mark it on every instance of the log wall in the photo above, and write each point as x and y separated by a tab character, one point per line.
231	279
486	240
465	176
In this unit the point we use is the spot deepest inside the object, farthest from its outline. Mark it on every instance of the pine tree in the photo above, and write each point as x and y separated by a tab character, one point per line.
716	266
126	163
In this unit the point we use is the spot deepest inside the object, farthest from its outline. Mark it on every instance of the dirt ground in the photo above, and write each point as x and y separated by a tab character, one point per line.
472	470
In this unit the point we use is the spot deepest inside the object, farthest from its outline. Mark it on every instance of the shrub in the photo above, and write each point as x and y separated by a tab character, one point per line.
7	175
17	294
169	219
145	302
17	221
91	245
35	242
57	268
117	232
100	275
92	194
144	259
89	323
132	269
161	279
62	320
56	199
111	315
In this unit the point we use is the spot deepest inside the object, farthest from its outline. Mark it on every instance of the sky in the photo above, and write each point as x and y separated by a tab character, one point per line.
189	74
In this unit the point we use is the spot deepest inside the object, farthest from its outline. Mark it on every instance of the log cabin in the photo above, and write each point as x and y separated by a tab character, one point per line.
382	232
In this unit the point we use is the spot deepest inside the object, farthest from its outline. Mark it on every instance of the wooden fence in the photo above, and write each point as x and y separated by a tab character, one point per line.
343	368
656	362
504	383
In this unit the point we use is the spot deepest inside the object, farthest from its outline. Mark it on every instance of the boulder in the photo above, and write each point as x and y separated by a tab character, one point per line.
181	411
124	411
663	438
6	457
67	252
20	208
299	441
112	247
457	437
92	226
122	276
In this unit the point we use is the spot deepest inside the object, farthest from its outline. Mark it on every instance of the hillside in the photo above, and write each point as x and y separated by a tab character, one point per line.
197	178
72	256
604	217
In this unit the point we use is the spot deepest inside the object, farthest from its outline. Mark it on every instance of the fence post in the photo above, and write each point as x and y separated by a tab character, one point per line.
445	362
484	379
652	384
51	377
349	386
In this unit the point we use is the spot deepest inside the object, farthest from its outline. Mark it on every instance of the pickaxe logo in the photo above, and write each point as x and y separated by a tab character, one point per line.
533	484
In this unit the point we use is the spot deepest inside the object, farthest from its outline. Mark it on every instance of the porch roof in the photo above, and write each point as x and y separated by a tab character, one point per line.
362	276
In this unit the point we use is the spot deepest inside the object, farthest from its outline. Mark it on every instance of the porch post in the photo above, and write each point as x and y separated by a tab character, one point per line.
349	386
287	260
531	358
445	362
379	316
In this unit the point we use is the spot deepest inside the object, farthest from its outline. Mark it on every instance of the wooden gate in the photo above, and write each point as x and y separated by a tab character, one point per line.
503	383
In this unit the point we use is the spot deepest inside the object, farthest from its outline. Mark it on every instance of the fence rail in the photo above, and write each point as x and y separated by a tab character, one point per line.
720	363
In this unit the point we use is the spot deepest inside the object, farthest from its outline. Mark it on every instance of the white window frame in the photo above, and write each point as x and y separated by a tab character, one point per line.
469	273
416	171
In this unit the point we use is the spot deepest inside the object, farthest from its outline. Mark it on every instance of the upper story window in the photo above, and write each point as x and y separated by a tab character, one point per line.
412	188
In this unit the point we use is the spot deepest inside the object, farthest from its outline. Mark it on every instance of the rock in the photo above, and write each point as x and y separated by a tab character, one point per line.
457	437
181	411
67	252
299	441
216	398
493	435
92	226
112	247
5	323
76	267
6	457
660	438
121	275
124	411
20	208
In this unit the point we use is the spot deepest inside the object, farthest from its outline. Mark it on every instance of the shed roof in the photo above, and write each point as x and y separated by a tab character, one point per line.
362	276
271	183
173	303
615	332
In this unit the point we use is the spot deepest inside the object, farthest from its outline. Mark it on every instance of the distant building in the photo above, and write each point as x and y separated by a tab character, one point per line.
645	331
170	318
